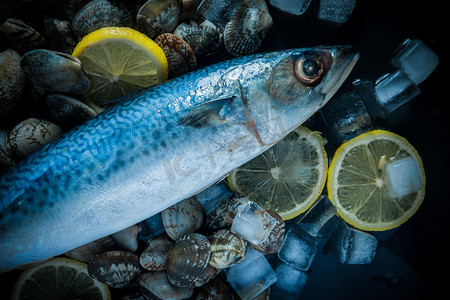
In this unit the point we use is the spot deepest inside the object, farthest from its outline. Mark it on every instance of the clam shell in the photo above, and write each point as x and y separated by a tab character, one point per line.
87	251
224	214
273	242
180	57
157	284
127	238
182	218
115	268
158	16
21	36
59	35
154	257
187	259
215	289
98	14
203	38
244	33
12	81
208	274
6	153
31	135
227	249
55	71
68	111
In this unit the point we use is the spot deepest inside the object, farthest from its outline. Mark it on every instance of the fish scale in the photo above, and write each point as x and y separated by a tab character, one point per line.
154	148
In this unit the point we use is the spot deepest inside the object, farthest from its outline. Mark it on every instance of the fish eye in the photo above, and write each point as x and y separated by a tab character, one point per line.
309	69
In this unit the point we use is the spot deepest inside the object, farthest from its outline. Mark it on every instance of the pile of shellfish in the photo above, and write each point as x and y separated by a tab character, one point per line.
183	260
41	83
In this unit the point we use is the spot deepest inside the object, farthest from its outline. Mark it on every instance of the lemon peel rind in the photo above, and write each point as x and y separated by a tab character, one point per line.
58	261
318	142
132	36
366	138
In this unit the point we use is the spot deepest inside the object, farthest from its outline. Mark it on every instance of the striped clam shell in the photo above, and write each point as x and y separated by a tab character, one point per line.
154	256
227	249
100	13
157	284
87	251
203	38
158	16
31	135
180	57
188	259
12	81
244	33
115	268
182	218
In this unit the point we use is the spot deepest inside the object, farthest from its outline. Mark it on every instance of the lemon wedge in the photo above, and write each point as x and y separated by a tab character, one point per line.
376	181
288	177
59	278
118	61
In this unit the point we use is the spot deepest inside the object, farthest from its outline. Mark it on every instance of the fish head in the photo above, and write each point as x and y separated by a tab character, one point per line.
298	85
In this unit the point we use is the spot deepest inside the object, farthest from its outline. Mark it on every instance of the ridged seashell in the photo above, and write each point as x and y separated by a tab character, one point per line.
208	274
98	14
203	38
55	71
31	135
6	153
88	251
180	57
157	284
189	9
182	218
68	111
21	36
115	268
59	35
218	12
154	257
216	289
187	259
158	16
127	238
12	81
227	249
273	242
224	214
245	31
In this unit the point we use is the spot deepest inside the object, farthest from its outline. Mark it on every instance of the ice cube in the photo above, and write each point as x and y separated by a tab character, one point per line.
290	281
346	117
415	59
151	227
252	276
393	90
366	90
298	248
212	196
295	7
335	11
402	177
252	223
320	220
352	246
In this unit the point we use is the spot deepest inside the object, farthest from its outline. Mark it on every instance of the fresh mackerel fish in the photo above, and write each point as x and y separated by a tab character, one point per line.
158	146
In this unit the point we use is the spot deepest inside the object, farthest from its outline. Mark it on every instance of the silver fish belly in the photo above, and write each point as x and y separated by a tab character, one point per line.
159	146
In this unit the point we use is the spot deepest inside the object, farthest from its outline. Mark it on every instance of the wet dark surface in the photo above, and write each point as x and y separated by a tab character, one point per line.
410	260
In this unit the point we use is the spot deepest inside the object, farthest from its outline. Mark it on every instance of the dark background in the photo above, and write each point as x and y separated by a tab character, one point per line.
416	252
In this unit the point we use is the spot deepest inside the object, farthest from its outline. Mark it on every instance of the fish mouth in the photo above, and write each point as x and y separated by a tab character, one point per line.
343	59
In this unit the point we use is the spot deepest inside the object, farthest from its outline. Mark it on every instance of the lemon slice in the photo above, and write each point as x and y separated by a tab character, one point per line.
288	177
58	278
359	181
118	61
